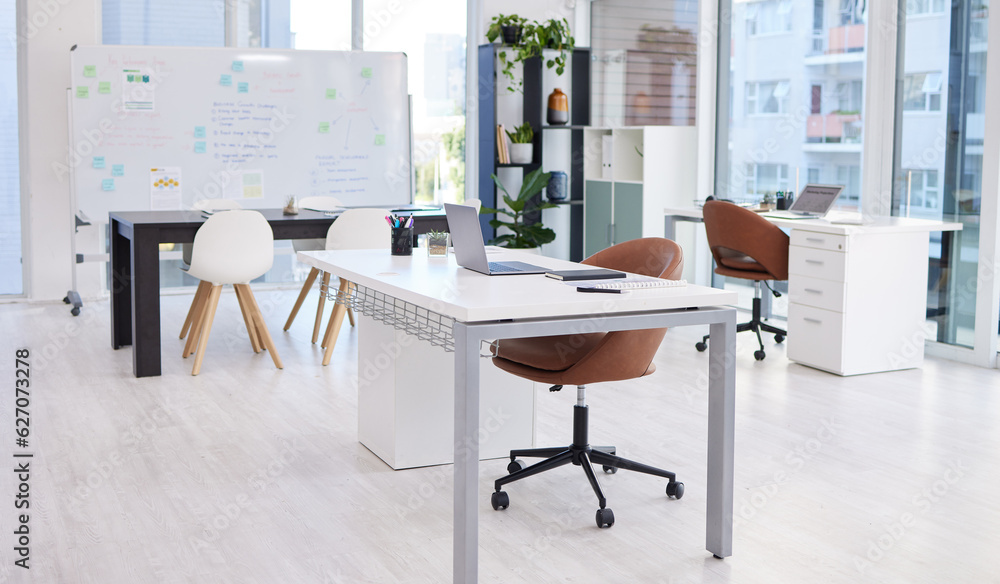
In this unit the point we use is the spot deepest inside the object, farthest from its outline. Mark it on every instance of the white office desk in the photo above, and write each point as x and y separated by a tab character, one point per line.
459	309
857	294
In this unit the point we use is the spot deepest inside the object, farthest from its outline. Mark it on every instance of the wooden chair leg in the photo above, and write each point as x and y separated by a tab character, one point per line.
251	328
350	315
333	330
322	303
265	336
199	296
197	323
313	272
342	292
213	302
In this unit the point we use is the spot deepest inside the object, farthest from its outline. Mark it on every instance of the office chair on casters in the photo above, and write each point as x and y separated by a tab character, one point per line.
746	245
586	358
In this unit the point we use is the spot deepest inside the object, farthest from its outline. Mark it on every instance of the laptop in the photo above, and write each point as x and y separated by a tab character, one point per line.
470	251
814	202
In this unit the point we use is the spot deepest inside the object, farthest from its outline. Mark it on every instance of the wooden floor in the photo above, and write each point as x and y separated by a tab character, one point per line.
247	474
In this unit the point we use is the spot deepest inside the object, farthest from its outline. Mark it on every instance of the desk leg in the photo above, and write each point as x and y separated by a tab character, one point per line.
721	421
670	227
145	302
466	518
121	288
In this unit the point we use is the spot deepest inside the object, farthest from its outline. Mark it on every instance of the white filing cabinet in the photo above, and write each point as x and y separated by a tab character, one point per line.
406	401
857	300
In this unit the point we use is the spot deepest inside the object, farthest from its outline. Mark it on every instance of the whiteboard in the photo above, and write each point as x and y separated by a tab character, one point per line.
163	127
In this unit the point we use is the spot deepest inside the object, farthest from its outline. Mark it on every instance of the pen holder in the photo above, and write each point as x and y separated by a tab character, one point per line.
402	241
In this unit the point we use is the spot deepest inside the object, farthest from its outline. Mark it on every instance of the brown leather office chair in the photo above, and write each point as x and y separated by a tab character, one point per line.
746	245
584	358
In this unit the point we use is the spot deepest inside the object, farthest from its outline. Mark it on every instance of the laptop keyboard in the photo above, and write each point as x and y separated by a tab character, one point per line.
499	267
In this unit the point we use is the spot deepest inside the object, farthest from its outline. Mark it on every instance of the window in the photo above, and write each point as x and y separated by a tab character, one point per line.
917	7
849	96
766	178
850	177
767	97
432	34
922	188
10	183
922	92
193	23
769	17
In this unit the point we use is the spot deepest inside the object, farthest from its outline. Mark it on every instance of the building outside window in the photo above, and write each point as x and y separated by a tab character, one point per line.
769	17
767	97
922	92
766	178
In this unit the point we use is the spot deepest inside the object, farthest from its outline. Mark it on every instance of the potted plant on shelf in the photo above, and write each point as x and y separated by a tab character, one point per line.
535	36
521	147
522	235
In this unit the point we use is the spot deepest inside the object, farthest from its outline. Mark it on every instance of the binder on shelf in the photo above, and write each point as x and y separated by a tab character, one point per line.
503	155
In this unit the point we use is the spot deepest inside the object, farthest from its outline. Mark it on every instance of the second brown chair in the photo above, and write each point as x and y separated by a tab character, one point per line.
748	246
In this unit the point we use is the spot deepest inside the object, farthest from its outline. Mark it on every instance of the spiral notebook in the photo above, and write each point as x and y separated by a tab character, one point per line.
631	283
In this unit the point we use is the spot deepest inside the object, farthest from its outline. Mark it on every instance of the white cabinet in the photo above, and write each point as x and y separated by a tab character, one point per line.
406	401
857	301
631	174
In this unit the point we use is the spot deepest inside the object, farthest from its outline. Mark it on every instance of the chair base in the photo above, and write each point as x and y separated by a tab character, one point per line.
756	324
582	454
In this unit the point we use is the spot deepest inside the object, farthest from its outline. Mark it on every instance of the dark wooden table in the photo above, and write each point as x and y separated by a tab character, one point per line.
135	267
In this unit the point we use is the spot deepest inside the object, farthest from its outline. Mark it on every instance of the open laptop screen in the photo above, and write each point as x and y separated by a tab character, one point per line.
816	199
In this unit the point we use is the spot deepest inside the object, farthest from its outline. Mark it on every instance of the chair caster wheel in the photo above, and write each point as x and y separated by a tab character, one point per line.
66	300
75	311
500	500
516	465
605	518
675	489
759	355
701	346
610	469
779	338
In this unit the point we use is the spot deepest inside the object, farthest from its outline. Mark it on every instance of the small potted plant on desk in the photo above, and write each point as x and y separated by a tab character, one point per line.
437	243
522	149
522	235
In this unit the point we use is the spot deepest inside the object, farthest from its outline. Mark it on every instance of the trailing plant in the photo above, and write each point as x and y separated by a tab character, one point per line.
535	36
522	235
522	134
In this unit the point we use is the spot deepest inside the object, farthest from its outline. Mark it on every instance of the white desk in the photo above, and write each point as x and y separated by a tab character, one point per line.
857	294
459	309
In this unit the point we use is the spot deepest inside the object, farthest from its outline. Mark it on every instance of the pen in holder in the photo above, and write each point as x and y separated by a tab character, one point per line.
402	241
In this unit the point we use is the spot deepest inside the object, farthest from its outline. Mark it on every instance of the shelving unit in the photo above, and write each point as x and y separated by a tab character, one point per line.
651	168
534	112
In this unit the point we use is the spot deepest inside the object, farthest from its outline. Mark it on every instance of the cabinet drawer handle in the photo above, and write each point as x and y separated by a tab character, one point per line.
817	262
813	291
815	320
816	239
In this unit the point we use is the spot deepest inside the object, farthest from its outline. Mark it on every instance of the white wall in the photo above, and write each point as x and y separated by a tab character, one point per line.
47	30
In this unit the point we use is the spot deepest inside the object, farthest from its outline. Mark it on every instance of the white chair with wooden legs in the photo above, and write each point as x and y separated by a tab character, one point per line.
203	287
354	229
473	203
315	204
230	248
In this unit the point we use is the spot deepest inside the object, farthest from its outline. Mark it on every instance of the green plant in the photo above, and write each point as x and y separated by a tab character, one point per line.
522	235
522	134
435	234
535	36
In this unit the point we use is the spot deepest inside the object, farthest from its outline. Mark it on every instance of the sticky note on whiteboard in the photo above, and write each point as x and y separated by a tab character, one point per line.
237	65
226	80
83	92
89	71
199	147
244	87
117	170
108	184
366	72
324	127
98	162
331	94
199	131
104	87
380	139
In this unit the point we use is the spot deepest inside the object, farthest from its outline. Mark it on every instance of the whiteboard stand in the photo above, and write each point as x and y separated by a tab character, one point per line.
73	296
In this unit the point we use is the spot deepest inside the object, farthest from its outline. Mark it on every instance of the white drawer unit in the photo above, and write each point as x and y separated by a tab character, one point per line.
857	301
